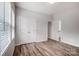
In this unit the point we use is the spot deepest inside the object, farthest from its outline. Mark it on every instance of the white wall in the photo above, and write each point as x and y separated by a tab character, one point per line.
30	26
68	13
70	24
41	30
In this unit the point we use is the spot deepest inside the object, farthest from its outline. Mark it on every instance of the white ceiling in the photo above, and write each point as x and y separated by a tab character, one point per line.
41	7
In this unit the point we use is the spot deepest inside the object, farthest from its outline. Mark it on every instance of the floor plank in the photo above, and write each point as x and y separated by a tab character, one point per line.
48	48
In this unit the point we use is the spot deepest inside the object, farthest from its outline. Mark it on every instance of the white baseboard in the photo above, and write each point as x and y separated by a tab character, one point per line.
66	42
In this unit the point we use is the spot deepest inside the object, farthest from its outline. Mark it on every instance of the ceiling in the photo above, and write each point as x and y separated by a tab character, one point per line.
56	8
41	7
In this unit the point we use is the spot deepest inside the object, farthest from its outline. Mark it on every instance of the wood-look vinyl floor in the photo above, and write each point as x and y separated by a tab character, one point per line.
48	48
